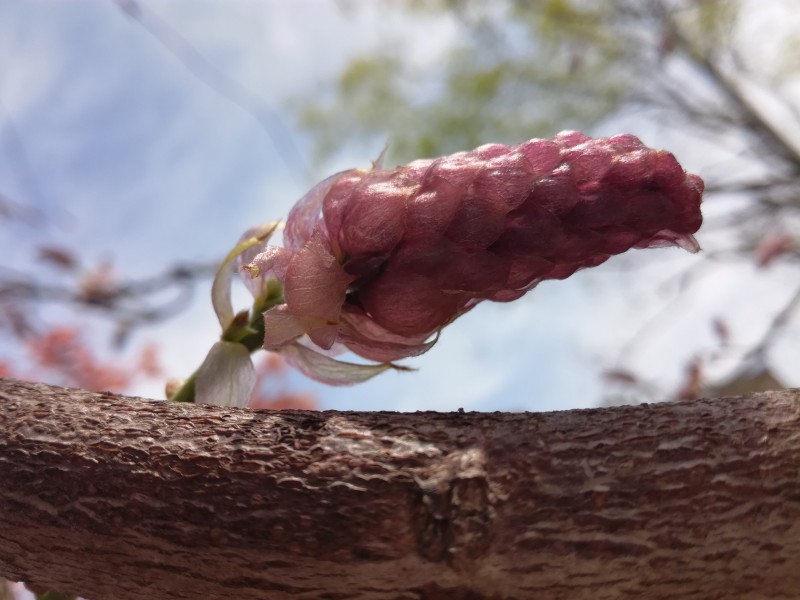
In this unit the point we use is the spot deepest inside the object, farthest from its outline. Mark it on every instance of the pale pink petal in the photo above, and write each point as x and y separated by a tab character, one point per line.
323	335
631	168
305	214
281	327
361	324
625	142
505	181
587	164
543	155
329	370
526	271
532	232
482	272
270	263
365	214
569	139
362	335
419	168
260	232
509	295
478	222
453	269
430	213
669	238
556	194
457	169
316	283
408	303
668	173
489	151
336	203
376	219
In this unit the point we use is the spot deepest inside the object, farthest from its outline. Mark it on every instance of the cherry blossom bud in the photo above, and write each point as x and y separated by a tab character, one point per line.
381	260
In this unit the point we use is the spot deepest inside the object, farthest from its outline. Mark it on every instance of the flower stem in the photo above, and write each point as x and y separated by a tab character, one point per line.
50	595
186	391
249	334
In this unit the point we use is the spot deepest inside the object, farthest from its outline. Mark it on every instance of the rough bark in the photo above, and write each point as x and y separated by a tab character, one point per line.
118	498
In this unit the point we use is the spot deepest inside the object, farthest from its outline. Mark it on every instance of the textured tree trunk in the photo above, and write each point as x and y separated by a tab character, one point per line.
117	498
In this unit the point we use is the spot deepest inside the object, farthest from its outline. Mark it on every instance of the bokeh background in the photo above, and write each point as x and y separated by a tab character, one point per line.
139	139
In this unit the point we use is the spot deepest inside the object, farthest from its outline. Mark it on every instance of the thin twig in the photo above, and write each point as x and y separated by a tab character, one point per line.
775	329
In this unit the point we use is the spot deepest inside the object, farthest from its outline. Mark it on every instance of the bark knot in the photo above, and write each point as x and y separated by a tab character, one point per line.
453	509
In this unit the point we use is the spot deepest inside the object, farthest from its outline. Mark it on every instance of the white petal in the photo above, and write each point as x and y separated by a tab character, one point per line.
226	377
221	288
329	370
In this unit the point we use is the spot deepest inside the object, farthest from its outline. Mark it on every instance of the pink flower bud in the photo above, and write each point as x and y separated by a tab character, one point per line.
380	260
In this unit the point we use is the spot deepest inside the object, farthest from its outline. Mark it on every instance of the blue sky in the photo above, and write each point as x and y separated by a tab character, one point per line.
136	160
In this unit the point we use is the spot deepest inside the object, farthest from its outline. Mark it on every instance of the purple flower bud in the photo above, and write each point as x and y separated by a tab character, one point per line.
380	260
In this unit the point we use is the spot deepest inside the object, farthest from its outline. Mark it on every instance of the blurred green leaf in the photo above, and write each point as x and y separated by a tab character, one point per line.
517	69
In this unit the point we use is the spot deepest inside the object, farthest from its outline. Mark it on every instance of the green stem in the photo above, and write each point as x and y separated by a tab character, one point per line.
186	391
250	335
50	595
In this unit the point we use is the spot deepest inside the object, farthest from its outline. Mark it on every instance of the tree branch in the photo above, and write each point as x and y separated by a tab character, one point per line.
119	498
752	117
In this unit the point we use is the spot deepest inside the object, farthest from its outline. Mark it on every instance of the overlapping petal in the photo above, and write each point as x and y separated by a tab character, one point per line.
305	214
328	370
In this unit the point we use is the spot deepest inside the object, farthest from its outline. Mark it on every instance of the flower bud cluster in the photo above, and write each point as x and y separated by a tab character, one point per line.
381	260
